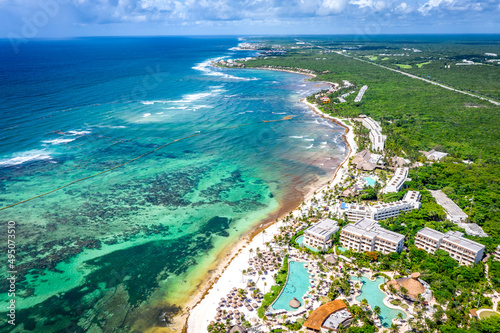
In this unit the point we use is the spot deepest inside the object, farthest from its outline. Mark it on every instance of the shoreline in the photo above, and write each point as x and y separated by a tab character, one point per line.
228	268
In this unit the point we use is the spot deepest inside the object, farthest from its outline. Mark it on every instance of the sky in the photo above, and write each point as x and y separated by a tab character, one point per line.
26	19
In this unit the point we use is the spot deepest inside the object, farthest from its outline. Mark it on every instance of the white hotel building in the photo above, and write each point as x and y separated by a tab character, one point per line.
397	181
319	235
382	211
461	249
376	137
367	235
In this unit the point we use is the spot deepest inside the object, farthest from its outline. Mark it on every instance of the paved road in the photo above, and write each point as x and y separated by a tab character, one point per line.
409	75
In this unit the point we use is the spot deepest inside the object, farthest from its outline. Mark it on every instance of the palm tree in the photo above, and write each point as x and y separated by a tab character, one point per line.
364	303
377	310
400	316
394	328
250	252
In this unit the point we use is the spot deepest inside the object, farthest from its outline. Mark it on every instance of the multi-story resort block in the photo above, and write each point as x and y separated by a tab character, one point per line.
382	211
376	137
367	235
397	181
461	249
453	212
319	235
497	253
410	201
457	215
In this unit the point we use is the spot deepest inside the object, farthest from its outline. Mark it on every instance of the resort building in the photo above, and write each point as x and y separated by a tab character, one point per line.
329	316
433	155
428	239
461	249
367	235
497	253
382	211
319	235
457	215
376	137
397	181
453	212
355	212
366	161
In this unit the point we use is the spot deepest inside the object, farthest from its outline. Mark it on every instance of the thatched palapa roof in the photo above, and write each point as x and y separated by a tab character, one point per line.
318	316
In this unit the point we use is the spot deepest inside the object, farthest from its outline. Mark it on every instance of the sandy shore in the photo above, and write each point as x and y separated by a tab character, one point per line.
229	273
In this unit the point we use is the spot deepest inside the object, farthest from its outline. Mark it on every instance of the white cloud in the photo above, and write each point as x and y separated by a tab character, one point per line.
330	7
403	8
432	4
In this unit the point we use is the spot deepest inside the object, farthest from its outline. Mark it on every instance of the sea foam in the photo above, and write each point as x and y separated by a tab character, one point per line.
28	156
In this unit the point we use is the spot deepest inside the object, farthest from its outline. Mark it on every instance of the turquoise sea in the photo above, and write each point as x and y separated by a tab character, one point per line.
194	158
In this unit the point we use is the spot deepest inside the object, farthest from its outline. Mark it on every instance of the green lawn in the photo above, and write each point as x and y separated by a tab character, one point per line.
486	314
386	58
404	66
424	63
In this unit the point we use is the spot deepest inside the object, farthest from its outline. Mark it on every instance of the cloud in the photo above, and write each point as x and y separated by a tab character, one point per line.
403	9
329	7
345	14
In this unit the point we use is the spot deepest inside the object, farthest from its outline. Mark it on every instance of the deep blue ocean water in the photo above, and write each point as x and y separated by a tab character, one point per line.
194	157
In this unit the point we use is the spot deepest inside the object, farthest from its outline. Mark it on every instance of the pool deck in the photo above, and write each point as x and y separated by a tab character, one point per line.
301	307
386	300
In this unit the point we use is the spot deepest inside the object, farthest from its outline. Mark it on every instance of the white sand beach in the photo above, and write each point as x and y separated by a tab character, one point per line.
201	314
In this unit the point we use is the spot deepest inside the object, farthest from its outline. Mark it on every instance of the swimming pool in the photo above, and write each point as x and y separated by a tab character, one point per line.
370	181
296	286
300	240
341	249
375	296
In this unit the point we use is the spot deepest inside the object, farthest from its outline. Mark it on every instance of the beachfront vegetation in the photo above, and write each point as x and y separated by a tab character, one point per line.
280	279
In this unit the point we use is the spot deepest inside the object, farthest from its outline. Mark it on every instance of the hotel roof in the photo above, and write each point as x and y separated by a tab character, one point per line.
321	314
431	233
450	207
456	238
323	229
369	228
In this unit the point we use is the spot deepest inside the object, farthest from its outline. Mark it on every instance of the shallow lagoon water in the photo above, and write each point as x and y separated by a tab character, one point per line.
127	245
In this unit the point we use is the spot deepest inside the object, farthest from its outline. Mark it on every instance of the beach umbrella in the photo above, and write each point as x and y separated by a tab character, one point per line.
217	318
254	305
212	322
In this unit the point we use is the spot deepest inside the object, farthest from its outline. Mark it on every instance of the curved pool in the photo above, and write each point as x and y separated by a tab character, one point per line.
371	291
296	286
300	240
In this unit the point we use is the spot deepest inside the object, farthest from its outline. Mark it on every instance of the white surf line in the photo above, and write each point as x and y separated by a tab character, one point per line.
410	75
